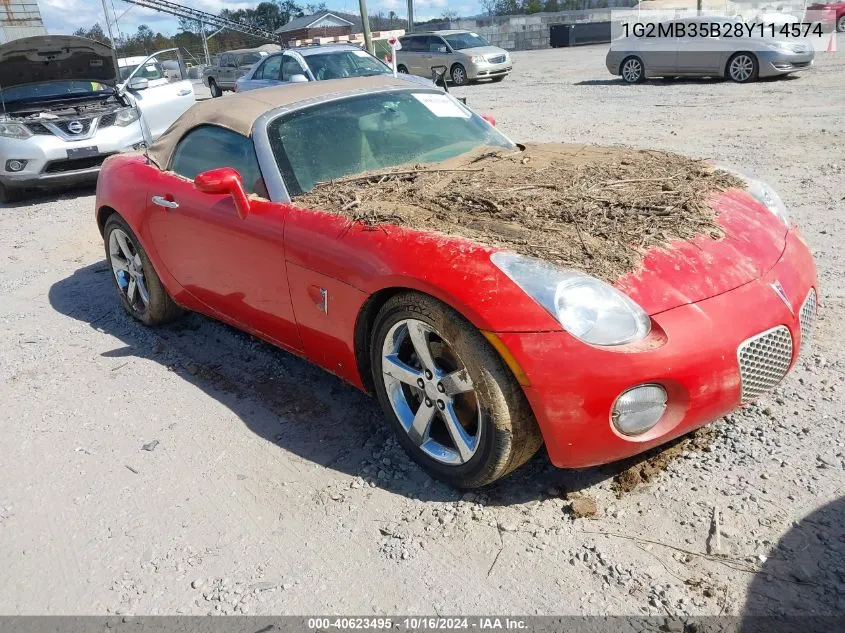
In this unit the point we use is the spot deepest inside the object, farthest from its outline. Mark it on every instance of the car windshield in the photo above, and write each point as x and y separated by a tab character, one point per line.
460	41
52	90
340	64
373	132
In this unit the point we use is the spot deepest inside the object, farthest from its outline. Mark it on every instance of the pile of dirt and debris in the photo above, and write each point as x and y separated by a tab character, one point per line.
597	209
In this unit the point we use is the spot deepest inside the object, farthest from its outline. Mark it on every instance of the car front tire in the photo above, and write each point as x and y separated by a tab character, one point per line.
632	70
402	69
742	68
455	406
214	88
459	75
8	194
840	25
141	292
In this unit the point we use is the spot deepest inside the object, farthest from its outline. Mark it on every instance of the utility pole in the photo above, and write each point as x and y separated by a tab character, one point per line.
410	16
204	44
113	43
365	22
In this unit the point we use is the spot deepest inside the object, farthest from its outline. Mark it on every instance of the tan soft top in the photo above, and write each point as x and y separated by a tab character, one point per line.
238	112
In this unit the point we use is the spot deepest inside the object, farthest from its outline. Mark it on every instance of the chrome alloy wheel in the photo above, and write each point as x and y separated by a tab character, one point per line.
741	68
128	270
632	70
431	392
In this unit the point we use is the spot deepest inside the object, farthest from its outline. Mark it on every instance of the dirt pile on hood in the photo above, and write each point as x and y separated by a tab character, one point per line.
596	209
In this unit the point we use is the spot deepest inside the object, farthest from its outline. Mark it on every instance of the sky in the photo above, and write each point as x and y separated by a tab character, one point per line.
65	16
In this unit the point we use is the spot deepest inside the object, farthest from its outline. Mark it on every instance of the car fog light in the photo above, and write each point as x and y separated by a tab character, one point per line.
639	409
15	165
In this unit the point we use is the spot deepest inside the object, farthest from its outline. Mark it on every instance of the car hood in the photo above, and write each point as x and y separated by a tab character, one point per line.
697	269
53	58
487	51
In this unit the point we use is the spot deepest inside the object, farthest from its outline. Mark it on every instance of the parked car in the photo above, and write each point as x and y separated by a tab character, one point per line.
740	59
829	13
467	55
230	67
315	63
65	110
476	354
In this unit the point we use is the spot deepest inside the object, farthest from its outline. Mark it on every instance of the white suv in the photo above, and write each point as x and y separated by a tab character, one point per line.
64	110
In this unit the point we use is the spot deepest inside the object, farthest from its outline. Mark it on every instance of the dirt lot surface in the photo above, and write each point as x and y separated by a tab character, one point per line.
192	469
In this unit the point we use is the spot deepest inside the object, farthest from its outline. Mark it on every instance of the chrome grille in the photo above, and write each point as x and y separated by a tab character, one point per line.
107	120
37	128
763	361
496	60
86	126
807	317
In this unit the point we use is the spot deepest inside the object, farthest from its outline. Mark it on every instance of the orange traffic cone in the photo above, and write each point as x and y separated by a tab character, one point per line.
831	43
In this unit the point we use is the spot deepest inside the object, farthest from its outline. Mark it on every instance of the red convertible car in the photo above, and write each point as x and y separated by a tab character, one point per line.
478	355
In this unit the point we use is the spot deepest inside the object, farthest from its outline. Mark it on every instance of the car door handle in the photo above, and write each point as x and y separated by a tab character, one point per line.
164	202
184	92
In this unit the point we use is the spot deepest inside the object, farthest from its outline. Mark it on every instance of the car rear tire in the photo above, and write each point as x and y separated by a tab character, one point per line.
459	75
140	289
214	88
401	69
840	25
455	406
632	70
742	68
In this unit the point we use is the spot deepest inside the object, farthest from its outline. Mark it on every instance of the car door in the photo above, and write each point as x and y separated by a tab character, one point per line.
160	105
417	49
226	71
699	53
438	54
234	266
660	51
268	73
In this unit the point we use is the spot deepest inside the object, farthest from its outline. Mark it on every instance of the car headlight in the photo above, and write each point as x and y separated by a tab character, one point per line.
14	130
762	193
478	59
589	309
125	116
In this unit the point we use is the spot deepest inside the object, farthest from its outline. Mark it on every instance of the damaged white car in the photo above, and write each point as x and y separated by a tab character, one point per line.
64	109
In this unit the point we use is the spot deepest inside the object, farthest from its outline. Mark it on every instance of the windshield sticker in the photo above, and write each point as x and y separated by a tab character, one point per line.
441	105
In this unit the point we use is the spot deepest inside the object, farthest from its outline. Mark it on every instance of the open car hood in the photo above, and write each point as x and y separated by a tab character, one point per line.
54	58
691	271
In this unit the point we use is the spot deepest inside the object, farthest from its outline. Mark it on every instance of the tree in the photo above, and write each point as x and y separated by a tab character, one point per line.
94	33
507	7
449	14
551	5
489	6
531	6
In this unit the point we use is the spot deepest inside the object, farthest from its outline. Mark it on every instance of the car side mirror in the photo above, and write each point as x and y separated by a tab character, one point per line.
225	180
139	83
298	79
490	119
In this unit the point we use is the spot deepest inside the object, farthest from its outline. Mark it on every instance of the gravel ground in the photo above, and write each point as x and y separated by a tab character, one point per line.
192	469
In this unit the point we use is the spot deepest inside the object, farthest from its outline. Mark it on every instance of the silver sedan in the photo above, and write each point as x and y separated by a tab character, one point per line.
741	59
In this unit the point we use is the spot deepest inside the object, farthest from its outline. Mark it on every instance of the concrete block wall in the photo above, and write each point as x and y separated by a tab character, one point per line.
527	32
